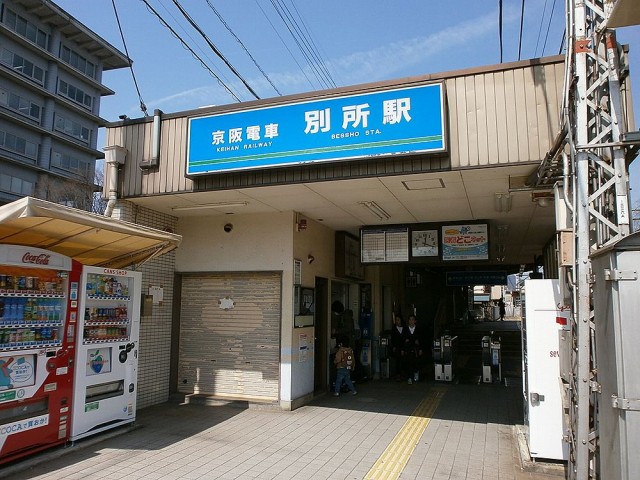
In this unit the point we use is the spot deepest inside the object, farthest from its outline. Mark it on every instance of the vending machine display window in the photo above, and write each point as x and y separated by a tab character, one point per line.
106	313
32	306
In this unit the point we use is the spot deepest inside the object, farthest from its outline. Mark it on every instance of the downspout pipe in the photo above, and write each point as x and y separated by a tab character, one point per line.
115	156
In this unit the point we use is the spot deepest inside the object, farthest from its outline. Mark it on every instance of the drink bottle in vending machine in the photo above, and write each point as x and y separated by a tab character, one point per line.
38	311
106	381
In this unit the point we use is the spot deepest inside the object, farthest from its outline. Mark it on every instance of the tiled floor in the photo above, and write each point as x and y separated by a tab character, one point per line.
469	436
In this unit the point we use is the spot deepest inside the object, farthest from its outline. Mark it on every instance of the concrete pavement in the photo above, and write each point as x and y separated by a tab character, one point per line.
389	430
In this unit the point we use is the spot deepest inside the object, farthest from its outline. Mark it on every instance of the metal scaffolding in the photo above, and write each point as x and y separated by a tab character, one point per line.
590	159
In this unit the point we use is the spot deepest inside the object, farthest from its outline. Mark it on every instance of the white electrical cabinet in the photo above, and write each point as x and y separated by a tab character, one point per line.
544	317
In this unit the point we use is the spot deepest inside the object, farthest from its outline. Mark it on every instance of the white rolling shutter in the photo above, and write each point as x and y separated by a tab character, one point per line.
232	352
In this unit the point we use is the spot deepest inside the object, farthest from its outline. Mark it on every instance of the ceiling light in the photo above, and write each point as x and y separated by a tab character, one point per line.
376	209
502	202
206	206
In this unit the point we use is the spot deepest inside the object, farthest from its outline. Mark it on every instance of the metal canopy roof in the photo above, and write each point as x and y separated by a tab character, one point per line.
625	13
86	237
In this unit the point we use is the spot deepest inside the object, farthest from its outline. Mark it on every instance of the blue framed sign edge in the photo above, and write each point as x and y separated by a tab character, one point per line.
443	128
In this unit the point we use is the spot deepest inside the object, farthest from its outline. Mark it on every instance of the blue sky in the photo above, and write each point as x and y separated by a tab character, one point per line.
359	41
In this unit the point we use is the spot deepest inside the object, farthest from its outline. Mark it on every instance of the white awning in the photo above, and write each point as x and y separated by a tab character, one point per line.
86	237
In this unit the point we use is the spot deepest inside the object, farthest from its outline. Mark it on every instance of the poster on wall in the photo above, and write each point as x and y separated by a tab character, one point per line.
465	242
424	243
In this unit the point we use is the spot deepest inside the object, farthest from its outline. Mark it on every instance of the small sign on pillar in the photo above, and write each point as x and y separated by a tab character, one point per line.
157	293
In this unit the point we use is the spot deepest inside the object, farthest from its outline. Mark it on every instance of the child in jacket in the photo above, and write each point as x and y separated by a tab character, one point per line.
345	362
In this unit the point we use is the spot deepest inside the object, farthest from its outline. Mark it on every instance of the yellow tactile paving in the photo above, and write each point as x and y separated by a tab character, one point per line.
393	460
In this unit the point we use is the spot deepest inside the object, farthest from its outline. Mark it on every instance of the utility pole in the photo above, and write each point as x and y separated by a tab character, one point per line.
595	122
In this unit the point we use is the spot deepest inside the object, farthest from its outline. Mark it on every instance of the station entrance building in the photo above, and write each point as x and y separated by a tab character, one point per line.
307	214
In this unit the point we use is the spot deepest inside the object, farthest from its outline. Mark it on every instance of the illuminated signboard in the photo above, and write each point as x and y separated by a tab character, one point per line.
391	122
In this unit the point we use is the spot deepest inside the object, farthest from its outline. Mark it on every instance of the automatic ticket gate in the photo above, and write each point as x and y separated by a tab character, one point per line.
437	359
444	353
491	360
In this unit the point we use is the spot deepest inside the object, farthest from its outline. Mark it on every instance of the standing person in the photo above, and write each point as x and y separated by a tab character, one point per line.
502	308
345	362
412	350
397	338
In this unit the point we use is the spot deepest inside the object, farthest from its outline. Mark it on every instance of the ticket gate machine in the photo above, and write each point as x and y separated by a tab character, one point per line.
491	360
437	359
444	353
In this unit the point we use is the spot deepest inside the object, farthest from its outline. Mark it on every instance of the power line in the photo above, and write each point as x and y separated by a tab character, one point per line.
285	44
500	26
242	45
196	45
143	107
304	24
544	10
187	47
564	37
214	48
521	29
553	7
290	26
308	41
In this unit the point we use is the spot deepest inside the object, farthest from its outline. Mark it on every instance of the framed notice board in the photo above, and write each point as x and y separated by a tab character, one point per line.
385	245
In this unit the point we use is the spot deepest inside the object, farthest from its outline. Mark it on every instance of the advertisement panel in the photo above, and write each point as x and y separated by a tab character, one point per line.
465	242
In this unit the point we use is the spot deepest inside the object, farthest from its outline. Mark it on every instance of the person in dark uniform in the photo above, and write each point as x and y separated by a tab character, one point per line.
502	308
412	350
397	338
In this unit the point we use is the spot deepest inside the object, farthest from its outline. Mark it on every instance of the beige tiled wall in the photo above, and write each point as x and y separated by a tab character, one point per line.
155	330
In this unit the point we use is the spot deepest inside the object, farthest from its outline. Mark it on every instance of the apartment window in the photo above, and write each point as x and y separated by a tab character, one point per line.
78	62
20	145
15	185
73	129
20	104
25	29
74	93
22	65
70	163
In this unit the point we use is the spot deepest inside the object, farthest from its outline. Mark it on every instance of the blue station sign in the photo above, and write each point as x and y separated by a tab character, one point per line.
391	122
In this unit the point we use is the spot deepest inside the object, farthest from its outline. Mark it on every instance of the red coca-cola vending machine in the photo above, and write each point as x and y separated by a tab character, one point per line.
38	313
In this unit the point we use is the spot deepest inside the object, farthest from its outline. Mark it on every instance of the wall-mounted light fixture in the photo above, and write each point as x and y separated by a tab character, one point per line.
544	198
206	206
310	259
502	202
376	209
301	223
